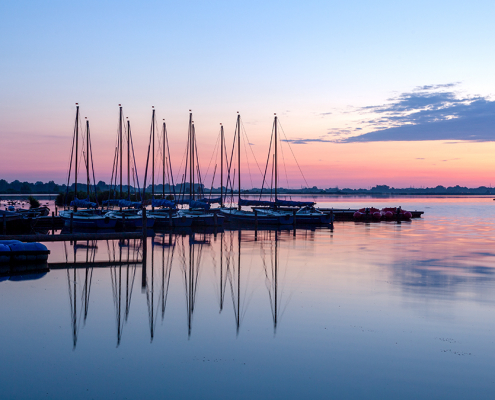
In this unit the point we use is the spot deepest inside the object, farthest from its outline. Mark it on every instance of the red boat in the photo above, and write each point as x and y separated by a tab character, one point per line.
392	212
366	212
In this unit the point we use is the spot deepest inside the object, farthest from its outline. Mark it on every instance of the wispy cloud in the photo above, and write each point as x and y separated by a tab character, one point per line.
428	112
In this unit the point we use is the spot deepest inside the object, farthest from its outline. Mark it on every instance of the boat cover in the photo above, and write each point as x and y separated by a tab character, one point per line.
163	203
129	204
123	203
199	204
82	203
214	200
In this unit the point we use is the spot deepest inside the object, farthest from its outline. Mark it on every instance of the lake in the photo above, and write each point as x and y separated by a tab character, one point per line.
381	310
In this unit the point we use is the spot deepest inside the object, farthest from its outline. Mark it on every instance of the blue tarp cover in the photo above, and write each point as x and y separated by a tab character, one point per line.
199	204
82	203
163	203
122	203
130	204
213	200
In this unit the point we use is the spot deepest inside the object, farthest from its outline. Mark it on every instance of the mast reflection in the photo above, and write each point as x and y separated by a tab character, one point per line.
90	253
239	258
167	256
122	275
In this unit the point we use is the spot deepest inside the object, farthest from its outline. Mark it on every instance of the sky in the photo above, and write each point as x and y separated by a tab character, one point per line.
367	93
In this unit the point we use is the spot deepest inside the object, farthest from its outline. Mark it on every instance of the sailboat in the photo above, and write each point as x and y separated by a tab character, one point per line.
88	216
198	209
304	211
237	214
163	211
127	215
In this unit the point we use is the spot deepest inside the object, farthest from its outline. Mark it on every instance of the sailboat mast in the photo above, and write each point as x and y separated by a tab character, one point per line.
77	150
153	152
190	154
239	159
128	160
276	146
87	156
193	155
221	165
120	147
163	156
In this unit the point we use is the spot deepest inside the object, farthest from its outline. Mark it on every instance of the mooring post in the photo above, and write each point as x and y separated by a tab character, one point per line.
294	221
71	220
53	222
4	224
56	211
145	244
255	224
331	219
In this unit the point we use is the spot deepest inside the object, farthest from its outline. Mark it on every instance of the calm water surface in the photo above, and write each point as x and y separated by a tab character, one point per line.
368	310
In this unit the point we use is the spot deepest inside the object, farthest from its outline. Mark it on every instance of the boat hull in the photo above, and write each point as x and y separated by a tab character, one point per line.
249	217
100	222
162	221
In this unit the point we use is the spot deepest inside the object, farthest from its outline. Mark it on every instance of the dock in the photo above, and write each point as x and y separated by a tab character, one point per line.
347	214
70	237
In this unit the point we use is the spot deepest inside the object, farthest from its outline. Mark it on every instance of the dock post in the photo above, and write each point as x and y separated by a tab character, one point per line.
294	222
56	211
145	244
53	222
331	219
255	224
71	219
4	224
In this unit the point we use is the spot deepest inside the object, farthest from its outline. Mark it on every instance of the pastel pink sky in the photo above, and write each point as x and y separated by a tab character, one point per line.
44	156
411	80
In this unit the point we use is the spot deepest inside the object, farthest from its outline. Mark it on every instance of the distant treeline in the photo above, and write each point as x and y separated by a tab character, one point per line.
17	187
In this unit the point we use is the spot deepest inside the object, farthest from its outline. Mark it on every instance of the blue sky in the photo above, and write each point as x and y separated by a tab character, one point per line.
312	60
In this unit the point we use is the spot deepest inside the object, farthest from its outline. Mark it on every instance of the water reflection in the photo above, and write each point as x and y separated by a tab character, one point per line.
188	250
